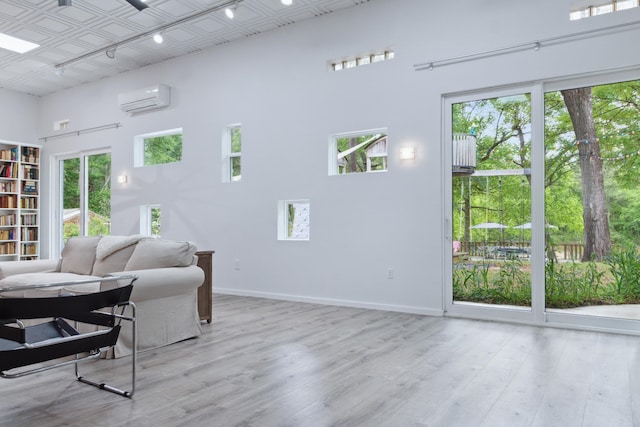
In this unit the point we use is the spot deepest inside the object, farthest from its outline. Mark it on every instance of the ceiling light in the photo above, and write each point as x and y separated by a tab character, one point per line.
64	2
286	2
15	44
59	71
157	37
111	53
229	12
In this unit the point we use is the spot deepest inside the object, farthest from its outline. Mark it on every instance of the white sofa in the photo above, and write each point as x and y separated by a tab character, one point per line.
165	292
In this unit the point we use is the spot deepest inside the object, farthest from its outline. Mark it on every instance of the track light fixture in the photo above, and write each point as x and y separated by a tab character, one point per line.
230	11
138	4
157	37
110	50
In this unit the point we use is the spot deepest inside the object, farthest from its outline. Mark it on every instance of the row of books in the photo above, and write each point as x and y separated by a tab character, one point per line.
30	172
28	219
7	248
8	202
30	155
28	249
28	234
9	154
8	187
27	203
8	170
30	187
8	234
7	220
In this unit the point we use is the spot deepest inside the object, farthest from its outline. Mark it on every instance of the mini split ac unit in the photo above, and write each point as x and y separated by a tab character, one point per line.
148	98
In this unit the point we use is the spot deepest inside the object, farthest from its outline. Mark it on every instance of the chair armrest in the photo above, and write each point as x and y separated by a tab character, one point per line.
159	283
10	268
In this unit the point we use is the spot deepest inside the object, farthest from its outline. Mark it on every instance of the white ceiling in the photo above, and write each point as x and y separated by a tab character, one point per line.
65	33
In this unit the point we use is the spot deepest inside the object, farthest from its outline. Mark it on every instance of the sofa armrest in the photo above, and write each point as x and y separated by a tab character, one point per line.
9	268
159	283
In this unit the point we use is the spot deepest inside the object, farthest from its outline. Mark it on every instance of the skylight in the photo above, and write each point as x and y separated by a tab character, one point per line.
16	45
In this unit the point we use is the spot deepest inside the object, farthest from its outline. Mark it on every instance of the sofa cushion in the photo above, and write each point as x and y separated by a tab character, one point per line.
45	278
78	254
156	253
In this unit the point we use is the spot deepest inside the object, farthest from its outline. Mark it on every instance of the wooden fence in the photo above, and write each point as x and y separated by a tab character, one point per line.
563	251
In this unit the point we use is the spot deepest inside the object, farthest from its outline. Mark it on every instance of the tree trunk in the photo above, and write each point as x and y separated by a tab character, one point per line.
352	159
597	240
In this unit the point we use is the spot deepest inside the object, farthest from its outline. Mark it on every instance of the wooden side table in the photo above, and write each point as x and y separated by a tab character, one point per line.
205	291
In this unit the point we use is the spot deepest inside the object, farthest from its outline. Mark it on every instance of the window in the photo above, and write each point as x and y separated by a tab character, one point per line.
158	148
84	195
150	220
232	153
602	8
358	61
358	152
294	220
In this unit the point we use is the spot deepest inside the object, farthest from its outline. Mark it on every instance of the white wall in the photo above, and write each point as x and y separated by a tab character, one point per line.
278	86
18	117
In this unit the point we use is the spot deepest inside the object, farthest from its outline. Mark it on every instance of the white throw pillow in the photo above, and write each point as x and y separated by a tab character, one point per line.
79	254
158	253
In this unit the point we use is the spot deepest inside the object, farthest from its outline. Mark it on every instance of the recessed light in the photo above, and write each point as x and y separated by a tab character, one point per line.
158	38
286	2
15	44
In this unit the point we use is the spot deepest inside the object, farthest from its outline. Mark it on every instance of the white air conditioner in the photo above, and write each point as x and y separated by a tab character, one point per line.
148	98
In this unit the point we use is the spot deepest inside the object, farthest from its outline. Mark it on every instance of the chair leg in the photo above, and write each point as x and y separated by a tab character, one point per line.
107	387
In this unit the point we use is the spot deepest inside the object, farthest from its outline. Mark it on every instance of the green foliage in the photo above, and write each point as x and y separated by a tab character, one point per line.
163	149
625	268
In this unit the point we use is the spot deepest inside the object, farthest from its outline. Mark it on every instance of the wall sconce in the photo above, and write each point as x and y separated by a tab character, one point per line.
407	153
122	179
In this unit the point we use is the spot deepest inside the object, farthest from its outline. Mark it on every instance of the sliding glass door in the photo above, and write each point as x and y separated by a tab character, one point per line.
541	217
84	195
490	143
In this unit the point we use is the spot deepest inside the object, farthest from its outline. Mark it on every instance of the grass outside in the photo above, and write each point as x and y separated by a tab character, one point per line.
567	285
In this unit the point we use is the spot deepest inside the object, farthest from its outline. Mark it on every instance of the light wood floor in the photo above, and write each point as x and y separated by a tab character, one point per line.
277	363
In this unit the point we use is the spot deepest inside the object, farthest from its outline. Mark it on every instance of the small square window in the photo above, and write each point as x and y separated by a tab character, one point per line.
294	219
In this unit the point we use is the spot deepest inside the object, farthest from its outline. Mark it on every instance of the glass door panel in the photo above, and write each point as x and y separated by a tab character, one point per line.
85	195
491	201
592	200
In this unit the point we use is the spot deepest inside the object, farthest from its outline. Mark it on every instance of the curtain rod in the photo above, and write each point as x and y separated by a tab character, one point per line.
533	45
80	132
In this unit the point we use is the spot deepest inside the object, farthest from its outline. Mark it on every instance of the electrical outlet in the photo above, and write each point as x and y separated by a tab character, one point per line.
390	273
236	264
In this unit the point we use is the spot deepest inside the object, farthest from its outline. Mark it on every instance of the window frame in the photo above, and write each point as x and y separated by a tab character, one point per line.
228	155
139	142
284	220
333	166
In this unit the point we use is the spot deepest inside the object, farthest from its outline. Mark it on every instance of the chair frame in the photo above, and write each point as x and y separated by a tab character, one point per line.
69	334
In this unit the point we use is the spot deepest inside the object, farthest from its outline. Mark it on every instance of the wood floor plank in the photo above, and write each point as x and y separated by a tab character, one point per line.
277	363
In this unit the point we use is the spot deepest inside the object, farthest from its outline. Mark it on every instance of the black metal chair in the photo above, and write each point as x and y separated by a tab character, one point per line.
54	342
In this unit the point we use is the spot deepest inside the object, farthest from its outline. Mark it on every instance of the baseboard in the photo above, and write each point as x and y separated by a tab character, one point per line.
330	301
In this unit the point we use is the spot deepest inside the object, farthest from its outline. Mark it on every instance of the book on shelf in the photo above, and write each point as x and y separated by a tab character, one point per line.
9	154
30	187
30	155
7	220
30	172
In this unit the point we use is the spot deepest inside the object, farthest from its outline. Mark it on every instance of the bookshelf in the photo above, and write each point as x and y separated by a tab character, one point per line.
19	201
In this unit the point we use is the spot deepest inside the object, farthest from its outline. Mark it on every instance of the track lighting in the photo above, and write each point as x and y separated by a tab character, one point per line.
111	53
157	37
59	71
64	2
231	10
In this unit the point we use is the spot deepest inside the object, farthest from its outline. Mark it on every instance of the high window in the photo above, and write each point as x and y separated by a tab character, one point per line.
158	148
602	8
358	152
